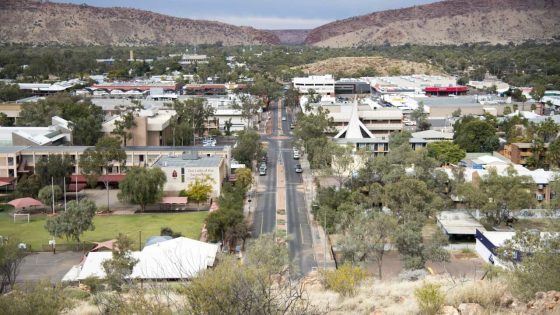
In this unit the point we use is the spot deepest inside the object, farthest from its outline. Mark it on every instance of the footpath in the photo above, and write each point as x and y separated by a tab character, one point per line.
322	248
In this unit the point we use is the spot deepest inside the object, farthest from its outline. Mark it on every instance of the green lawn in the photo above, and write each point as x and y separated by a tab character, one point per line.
106	227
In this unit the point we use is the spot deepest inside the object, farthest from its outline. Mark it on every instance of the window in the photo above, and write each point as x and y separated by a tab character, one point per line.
182	175
141	157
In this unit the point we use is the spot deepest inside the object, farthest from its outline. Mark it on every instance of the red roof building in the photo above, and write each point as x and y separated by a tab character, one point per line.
448	90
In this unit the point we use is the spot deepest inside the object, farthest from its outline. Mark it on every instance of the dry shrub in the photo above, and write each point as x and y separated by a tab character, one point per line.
343	280
485	293
429	298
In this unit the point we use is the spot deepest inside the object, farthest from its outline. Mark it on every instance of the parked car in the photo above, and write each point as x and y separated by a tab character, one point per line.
283	118
299	169
262	171
296	155
292	126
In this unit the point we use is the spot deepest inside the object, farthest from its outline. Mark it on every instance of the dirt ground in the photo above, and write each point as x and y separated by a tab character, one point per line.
459	266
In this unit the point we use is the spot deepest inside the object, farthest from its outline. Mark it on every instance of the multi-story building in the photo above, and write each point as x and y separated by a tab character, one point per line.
152	128
520	152
321	84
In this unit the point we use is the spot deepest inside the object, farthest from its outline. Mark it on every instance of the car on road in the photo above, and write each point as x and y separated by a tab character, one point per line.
296	155
292	126
299	169
283	118
262	170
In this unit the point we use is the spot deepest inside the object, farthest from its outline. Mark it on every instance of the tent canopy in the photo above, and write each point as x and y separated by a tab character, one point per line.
25	202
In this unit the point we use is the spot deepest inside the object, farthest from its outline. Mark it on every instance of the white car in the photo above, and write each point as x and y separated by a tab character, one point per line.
283	118
296	155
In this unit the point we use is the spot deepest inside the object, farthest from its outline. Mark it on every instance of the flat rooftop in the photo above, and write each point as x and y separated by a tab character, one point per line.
458	223
179	161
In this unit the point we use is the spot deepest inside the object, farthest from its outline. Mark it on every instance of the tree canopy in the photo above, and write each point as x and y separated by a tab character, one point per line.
73	222
142	186
475	135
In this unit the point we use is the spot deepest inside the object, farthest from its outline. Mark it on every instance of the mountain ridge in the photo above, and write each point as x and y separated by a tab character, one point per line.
33	22
446	22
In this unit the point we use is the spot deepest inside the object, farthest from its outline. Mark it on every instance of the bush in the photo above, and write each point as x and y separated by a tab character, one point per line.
429	298
75	293
486	293
343	280
93	283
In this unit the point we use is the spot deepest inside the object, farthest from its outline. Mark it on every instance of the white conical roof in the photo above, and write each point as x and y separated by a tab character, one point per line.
355	128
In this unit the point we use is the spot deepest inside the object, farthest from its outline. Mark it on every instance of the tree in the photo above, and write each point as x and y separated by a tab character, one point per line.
435	249
537	93
408	239
249	108
258	286
366	237
119	268
28	186
456	113
446	152
292	98
200	189
399	138
496	196
99	160
11	258
344	162
507	110
421	117
553	153
48	193
86	118
244	178
73	222
247	147
548	130
142	186
344	280
5	121
11	92
411	200
54	168
126	121
537	269
475	135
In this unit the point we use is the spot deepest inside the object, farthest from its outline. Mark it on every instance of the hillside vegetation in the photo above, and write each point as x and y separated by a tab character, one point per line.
451	22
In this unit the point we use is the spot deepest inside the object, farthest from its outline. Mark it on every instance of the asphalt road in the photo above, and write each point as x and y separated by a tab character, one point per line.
264	218
300	245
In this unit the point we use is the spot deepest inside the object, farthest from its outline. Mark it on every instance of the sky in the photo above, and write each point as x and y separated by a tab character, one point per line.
262	14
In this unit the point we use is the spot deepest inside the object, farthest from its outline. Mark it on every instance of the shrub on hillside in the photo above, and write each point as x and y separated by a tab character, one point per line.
429	298
343	280
486	293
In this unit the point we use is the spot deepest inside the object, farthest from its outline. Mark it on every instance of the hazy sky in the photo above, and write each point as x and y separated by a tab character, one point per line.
264	14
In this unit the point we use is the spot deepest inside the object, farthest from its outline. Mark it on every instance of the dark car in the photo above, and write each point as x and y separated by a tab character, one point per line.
299	169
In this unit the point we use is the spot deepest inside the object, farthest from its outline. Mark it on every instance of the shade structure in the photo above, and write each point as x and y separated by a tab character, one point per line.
25	202
174	200
3	183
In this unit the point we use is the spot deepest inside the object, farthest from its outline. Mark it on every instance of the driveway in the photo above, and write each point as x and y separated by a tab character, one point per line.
45	265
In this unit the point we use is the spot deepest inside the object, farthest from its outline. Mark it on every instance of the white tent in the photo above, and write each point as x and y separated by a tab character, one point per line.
179	258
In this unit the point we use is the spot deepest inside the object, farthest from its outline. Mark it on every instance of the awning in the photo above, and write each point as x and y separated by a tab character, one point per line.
111	178
25	202
174	200
104	245
75	187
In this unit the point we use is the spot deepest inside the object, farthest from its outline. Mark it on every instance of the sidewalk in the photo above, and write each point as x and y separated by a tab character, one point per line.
320	239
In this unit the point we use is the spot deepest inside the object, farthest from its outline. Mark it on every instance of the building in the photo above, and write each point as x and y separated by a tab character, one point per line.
487	244
478	165
433	135
191	59
175	259
153	127
379	120
133	88
16	161
45	89
458	223
183	169
409	84
520	152
58	133
324	84
489	82
351	87
445	90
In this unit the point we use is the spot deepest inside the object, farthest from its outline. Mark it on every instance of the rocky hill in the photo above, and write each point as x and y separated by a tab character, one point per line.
33	22
291	37
447	22
382	66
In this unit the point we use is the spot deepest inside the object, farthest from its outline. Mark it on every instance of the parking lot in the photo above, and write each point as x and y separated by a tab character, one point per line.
45	265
